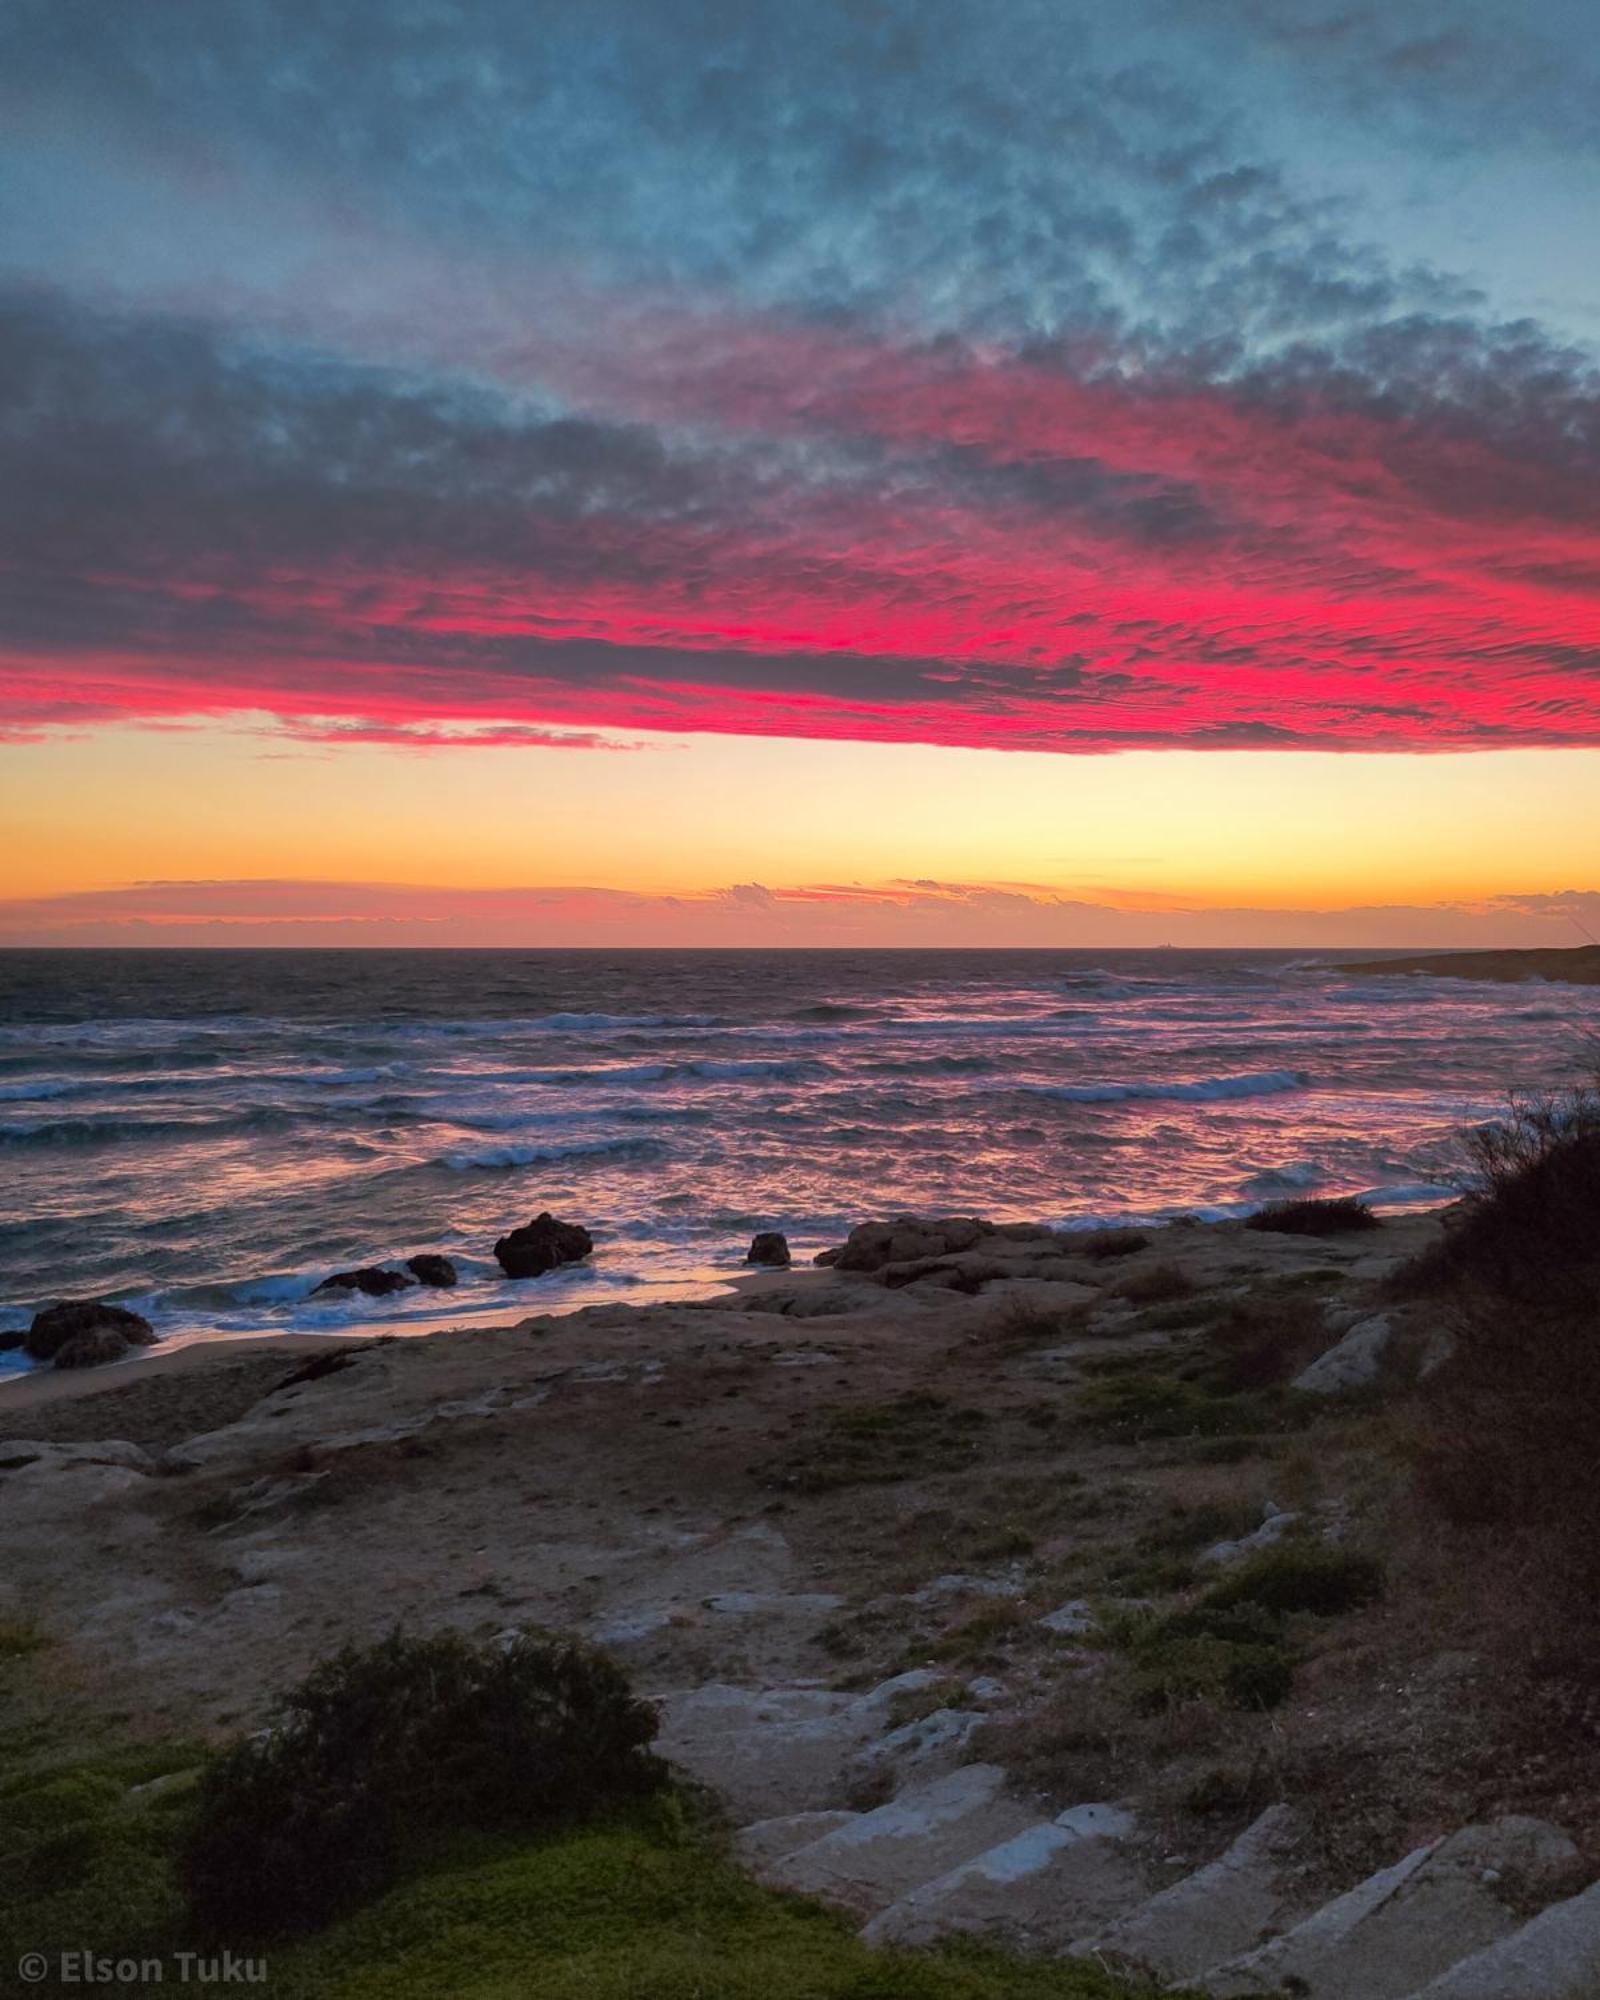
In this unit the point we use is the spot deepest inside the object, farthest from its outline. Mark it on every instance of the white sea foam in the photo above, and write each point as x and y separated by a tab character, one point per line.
536	1156
1203	1090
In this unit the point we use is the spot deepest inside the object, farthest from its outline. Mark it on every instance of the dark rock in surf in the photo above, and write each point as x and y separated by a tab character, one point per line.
431	1269
10	1342
90	1350
91	1322
542	1245
371	1279
771	1248
909	1238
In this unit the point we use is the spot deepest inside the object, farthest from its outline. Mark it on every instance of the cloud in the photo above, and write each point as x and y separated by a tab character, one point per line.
922	372
901	912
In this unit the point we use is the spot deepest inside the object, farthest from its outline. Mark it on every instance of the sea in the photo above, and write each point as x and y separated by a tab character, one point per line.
205	1135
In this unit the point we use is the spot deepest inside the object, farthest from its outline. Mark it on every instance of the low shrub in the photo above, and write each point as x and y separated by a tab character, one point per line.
1232	1644
1265	1338
1508	1429
384	1747
1157	1284
1531	1224
1103	1243
1025	1322
1138	1407
1338	1215
1172	1665
876	1444
1299	1576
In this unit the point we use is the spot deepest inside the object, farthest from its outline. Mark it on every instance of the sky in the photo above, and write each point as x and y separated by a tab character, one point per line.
724	472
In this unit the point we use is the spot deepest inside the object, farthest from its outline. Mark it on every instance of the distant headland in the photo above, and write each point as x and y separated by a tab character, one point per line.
1578	965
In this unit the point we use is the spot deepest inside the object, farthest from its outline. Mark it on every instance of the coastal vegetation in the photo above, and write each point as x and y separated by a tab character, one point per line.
384	1748
1507	1436
1339	1215
133	1852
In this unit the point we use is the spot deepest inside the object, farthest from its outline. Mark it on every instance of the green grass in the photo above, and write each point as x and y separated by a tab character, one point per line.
86	1856
642	1907
1235	1644
1300	1576
1136	1407
18	1638
628	1911
871	1444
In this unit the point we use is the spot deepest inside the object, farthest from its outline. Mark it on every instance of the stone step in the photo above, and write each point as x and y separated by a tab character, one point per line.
767	1841
1554	1956
1409	1923
1038	1890
1218	1913
924	1833
770	1752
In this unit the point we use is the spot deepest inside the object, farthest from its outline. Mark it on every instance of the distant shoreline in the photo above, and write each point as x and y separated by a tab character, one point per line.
1578	965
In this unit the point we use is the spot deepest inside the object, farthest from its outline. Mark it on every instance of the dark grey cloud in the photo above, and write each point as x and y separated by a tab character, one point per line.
925	364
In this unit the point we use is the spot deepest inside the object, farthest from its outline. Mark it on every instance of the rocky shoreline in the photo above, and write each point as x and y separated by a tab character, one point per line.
937	1560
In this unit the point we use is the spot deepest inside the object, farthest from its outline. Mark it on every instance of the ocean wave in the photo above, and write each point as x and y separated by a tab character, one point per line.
967	1065
588	1024
521	1118
105	1130
1008	1027
36	1093
538	1156
562	1023
736	1069
1411	1194
1273	1182
372	1073
1203	1090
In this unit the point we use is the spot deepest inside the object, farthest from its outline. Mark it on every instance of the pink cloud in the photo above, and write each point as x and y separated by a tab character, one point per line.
900	912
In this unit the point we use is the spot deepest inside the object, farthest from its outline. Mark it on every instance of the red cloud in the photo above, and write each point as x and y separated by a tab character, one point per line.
954	548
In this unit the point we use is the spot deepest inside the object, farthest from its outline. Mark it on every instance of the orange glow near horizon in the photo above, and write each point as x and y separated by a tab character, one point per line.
654	818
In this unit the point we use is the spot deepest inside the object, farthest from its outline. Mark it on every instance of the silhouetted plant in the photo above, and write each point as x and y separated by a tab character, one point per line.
382	1747
1508	1435
1338	1215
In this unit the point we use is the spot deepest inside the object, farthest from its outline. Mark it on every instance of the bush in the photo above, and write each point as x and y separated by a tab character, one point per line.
1340	1215
1237	1659
1531	1225
1157	1284
1265	1339
1232	1643
1103	1243
1299	1576
1508	1433
383	1747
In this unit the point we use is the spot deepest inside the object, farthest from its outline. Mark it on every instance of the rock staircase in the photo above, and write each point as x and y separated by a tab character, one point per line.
1486	1913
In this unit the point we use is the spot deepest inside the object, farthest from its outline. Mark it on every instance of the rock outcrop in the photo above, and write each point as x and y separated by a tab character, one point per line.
771	1248
542	1245
81	1333
429	1268
371	1279
910	1239
1352	1362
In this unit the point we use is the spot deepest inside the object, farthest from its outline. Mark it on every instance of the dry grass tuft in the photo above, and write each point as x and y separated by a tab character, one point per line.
1342	1215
